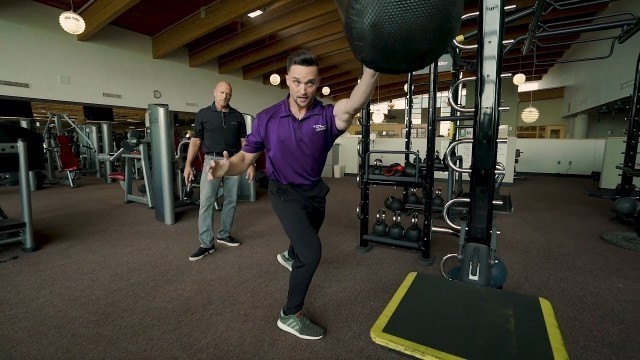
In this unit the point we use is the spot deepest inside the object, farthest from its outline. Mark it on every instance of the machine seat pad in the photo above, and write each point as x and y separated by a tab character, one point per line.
116	176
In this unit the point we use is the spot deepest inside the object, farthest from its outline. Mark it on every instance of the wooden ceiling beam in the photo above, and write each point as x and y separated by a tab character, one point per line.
229	64
303	13
347	75
216	15
101	13
332	52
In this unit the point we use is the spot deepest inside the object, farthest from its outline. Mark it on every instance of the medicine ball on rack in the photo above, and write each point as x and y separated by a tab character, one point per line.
396	205
388	200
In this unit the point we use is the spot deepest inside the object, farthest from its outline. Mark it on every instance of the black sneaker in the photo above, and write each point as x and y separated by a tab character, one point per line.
229	240
201	252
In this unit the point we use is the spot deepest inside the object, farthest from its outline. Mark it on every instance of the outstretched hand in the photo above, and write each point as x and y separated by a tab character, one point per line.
218	168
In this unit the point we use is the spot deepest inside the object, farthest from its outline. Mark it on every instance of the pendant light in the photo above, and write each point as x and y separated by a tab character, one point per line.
530	114
72	22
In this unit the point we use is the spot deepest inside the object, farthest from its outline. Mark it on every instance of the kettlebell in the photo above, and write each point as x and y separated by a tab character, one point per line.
438	201
396	231
377	167
414	233
437	160
413	198
142	189
380	226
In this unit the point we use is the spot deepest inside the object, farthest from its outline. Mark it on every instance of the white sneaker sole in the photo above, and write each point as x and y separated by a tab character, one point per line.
291	331
282	262
226	243
201	256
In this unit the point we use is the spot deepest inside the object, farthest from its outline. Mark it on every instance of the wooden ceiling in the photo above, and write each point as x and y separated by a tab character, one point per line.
220	31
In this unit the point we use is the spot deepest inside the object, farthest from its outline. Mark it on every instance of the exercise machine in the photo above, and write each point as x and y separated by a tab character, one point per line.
20	151
60	149
134	150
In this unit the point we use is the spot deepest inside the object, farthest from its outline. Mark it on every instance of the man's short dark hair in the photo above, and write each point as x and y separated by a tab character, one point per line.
302	58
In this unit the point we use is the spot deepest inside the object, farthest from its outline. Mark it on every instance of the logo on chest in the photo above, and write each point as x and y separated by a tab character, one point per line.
320	127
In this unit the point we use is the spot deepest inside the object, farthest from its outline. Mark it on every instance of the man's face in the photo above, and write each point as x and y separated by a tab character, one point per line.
222	95
303	83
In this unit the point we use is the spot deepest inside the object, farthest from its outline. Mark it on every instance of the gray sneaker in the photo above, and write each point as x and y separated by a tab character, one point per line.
285	260
300	326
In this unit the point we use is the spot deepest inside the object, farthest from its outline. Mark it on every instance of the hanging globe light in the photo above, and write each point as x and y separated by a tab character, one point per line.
326	91
274	79
378	117
72	22
519	79
530	114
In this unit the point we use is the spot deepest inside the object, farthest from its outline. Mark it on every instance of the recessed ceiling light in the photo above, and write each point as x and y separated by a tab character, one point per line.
255	13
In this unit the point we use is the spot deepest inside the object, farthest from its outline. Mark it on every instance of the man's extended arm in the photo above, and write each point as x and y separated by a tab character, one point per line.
346	109
235	165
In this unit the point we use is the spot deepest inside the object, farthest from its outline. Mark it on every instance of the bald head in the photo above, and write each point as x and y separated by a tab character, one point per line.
222	95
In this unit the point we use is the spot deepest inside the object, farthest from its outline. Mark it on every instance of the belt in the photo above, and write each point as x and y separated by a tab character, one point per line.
221	154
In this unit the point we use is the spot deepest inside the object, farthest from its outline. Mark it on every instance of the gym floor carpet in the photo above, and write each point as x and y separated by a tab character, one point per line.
112	282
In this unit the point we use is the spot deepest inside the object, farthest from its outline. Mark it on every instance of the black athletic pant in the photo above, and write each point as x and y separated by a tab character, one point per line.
301	212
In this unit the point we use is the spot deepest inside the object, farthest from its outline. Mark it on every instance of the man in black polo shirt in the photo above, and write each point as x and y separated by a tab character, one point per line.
218	128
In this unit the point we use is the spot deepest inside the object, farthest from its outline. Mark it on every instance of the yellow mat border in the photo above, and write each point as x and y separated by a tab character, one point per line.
553	330
423	352
399	344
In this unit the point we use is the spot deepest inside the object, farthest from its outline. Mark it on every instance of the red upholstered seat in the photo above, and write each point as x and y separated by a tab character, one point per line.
68	160
116	176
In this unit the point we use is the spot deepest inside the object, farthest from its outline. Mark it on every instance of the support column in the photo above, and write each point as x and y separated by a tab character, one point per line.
162	162
580	126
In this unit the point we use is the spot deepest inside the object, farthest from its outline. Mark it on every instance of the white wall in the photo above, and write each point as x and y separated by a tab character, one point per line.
593	83
35	50
613	156
607	125
543	155
349	143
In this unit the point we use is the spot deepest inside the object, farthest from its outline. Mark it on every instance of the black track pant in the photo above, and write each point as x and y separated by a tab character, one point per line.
301	213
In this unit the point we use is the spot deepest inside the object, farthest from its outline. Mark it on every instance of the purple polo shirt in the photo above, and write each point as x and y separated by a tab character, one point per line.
296	150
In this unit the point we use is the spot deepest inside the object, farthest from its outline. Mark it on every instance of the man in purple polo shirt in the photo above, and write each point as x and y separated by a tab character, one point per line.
297	134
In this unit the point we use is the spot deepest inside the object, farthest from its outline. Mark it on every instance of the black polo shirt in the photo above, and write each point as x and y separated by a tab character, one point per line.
220	131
